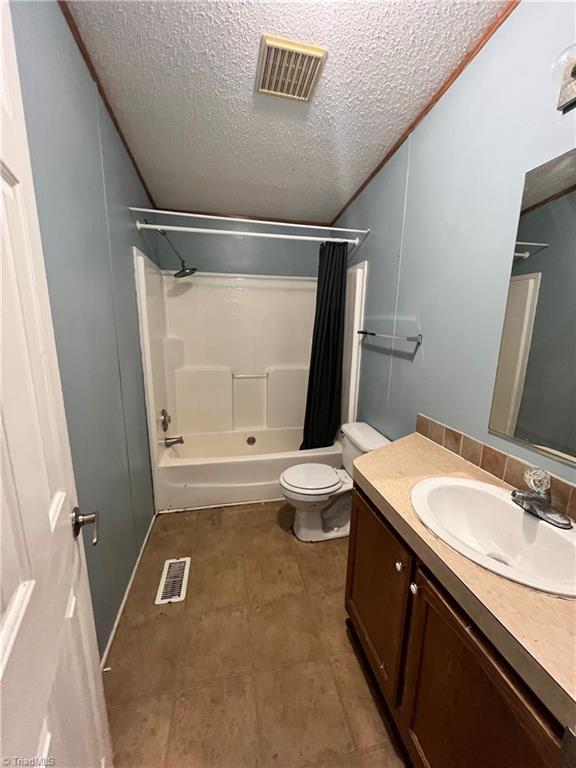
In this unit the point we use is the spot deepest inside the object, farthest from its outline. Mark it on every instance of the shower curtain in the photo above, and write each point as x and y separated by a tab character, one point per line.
324	398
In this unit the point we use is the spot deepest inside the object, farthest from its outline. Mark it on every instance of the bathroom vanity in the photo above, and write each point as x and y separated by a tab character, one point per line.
477	671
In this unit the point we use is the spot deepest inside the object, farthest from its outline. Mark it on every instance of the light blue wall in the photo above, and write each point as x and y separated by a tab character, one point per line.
382	212
83	181
548	410
464	166
251	256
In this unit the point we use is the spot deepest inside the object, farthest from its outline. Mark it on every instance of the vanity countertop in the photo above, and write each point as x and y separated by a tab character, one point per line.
534	631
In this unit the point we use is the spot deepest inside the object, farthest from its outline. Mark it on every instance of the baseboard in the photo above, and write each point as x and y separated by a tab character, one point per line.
123	603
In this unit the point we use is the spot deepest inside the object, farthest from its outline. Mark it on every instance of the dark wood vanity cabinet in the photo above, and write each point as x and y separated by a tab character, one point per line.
455	702
378	580
462	706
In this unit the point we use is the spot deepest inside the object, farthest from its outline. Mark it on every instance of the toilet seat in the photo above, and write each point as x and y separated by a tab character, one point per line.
320	512
322	495
311	479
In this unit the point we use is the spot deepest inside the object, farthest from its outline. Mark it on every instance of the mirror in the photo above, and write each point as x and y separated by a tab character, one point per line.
534	397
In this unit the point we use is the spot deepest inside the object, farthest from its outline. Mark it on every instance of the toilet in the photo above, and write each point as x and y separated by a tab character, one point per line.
322	494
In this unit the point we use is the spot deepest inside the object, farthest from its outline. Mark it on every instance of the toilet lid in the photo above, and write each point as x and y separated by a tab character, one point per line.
312	477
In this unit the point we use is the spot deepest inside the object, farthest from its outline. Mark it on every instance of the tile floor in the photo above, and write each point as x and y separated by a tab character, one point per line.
254	669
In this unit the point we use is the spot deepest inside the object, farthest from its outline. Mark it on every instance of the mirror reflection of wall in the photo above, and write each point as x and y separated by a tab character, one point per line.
535	390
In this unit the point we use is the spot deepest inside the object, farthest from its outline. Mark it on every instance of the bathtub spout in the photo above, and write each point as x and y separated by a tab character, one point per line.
170	441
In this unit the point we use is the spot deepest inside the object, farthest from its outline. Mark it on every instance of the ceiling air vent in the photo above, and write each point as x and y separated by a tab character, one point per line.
288	68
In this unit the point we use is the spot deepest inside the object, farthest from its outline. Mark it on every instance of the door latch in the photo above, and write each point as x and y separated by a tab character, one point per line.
79	521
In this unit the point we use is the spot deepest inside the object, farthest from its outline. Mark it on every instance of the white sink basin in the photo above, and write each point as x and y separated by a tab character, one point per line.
481	522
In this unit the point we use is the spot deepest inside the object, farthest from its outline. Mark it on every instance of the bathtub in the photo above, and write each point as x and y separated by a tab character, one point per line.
217	468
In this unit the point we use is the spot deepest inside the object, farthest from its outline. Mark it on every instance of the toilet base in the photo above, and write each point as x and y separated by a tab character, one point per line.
322	521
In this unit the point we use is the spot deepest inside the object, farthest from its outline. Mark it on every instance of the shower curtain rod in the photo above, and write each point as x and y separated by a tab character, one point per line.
267	235
247	221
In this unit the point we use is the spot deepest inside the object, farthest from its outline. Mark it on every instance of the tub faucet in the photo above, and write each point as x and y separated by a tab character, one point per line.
538	501
170	441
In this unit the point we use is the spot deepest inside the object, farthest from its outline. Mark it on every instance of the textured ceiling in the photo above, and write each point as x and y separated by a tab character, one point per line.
180	78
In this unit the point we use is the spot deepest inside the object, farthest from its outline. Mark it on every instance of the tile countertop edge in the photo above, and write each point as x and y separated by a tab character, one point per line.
552	694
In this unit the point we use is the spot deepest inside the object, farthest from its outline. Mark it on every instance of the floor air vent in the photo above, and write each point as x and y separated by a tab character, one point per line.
173	582
288	68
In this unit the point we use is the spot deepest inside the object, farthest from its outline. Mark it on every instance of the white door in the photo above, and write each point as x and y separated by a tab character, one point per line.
514	352
51	693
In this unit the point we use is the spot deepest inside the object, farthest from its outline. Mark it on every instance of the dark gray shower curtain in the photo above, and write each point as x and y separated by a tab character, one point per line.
324	399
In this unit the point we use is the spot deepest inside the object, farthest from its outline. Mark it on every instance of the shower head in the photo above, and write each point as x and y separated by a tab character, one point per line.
185	271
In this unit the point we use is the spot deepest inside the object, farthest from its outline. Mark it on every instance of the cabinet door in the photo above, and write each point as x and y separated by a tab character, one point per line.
462	706
378	579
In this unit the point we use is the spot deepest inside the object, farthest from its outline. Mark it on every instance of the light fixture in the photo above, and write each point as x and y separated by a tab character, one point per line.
565	72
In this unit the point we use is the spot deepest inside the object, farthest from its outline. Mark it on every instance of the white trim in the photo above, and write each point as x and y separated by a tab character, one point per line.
125	598
533	279
245	221
147	369
356	358
512	395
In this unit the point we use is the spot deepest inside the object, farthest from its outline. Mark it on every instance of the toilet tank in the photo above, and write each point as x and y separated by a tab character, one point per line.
358	438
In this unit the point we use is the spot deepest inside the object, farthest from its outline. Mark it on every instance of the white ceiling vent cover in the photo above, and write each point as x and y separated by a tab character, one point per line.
173	582
288	68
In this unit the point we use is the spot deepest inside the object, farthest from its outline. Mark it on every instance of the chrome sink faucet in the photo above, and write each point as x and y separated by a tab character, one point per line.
538	501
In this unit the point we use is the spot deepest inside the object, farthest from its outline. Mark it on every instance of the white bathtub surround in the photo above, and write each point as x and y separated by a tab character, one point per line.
227	356
239	351
287	387
153	329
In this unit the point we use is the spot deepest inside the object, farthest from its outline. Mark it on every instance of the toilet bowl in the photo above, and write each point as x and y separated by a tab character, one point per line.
320	494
